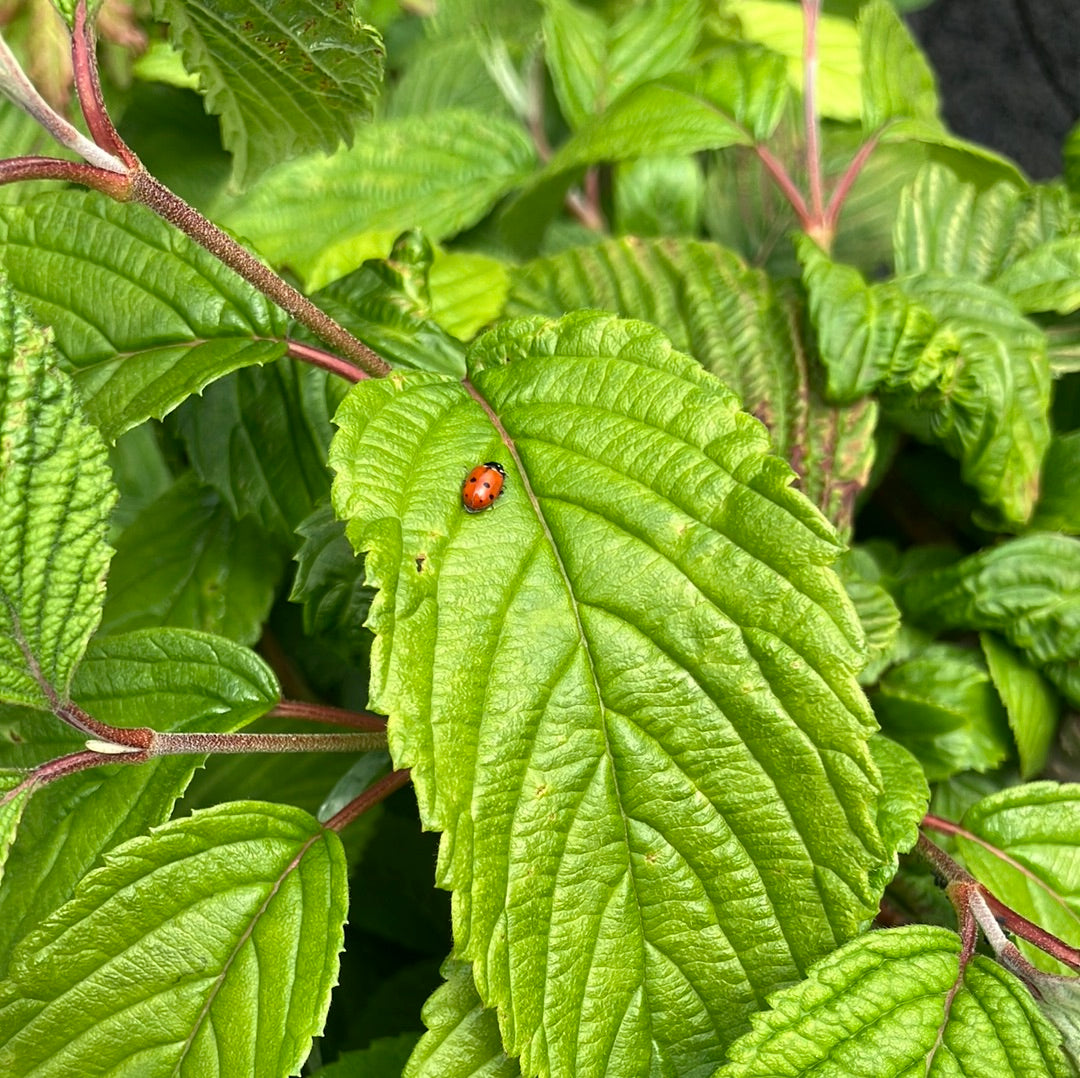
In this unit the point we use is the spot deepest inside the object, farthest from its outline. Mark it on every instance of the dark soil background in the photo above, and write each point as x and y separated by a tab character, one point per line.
1009	73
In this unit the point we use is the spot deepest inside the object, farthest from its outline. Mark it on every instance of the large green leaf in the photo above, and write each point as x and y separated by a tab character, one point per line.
874	1008
743	329
462	1040
55	498
627	693
1026	850
325	216
221	965
1059	500
285	77
144	315
208	571
1027	589
592	64
165	678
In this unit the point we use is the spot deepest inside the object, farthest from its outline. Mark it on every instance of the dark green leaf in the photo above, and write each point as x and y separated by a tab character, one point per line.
186	562
1026	589
285	77
645	525
383	1058
874	1008
55	498
165	678
878	613
144	316
462	1040
1031	705
656	196
226	958
1059	498
330	579
259	438
1026	850
325	216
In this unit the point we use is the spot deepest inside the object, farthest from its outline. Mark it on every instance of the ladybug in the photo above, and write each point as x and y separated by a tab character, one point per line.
482	486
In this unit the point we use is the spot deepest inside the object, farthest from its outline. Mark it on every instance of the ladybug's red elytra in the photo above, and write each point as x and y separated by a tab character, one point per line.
482	486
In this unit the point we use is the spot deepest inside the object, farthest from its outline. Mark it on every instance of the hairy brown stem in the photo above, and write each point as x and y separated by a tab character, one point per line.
182	744
376	792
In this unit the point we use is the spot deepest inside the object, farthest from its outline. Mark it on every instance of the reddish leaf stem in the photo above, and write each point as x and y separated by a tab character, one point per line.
308	712
318	357
847	181
88	87
114	184
786	185
811	11
376	792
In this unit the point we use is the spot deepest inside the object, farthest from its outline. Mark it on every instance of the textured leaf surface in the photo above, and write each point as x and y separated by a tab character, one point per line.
877	610
143	315
325	216
962	368
55	497
462	1040
739	327
612	687
1027	589
207	571
1029	702
1047	278
166	678
223	965
11	810
945	225
941	705
906	797
259	438
896	79
874	1008
468	290
1029	856
285	77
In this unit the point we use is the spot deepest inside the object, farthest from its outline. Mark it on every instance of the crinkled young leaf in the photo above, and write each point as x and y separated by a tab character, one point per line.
874	1008
1047	278
948	226
742	329
941	705
144	315
55	498
1029	856
165	678
285	77
186	562
462	1038
1031	705
592	64
259	438
388	305
207	948
325	216
611	687
962	367
896	79
906	797
1026	589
